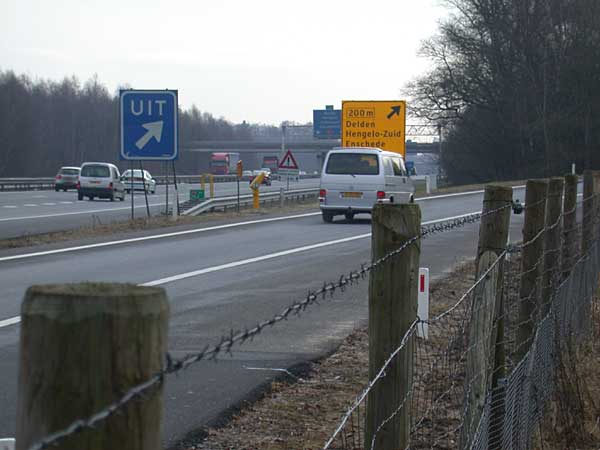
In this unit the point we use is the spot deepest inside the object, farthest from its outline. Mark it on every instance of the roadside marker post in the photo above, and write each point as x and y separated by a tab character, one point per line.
423	303
255	186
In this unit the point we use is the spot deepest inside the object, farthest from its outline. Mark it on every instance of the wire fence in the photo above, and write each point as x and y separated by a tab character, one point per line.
443	383
443	386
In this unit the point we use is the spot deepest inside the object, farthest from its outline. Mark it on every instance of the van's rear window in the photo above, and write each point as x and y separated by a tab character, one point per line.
95	171
352	164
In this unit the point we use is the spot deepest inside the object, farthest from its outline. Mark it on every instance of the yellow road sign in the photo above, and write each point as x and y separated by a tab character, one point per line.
374	123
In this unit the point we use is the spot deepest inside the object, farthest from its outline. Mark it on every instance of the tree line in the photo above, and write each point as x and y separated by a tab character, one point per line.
516	85
47	124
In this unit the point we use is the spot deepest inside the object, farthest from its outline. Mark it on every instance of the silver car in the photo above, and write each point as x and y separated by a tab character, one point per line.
66	178
142	180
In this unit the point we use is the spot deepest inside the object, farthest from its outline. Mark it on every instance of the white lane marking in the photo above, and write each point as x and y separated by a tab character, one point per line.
66	203
9	206
243	262
433	197
39	196
156	236
8	322
48	204
29	204
182	276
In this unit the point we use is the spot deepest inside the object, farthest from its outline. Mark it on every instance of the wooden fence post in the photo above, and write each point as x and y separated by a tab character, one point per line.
569	249
596	206
82	346
392	310
531	267
587	226
551	243
485	360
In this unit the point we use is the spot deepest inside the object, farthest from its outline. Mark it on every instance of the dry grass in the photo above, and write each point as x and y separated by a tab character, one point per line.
573	418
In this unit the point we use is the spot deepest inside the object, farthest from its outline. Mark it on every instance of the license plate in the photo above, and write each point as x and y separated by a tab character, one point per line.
352	194
95	182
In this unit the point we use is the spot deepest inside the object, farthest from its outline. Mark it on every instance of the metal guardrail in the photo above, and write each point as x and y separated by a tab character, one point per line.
47	183
246	199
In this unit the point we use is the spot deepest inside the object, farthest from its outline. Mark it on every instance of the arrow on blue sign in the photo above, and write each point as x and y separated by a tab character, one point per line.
154	131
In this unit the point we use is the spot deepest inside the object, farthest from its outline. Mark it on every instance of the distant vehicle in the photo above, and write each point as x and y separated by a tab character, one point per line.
66	178
247	173
266	170
100	180
266	180
140	181
271	162
354	179
224	163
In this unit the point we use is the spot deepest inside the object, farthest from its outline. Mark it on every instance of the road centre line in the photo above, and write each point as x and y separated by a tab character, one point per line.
15	320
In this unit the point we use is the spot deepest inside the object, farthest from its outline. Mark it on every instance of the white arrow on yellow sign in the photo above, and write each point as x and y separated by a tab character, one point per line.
374	123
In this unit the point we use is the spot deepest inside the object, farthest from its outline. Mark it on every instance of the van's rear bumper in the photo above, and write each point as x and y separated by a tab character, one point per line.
96	192
345	209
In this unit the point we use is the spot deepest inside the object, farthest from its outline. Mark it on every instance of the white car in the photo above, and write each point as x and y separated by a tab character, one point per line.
100	180
353	180
140	181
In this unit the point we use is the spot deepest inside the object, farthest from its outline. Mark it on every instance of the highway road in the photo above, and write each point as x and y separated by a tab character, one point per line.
33	212
215	283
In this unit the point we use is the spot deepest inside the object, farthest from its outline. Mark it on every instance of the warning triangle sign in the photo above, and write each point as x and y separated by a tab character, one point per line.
288	161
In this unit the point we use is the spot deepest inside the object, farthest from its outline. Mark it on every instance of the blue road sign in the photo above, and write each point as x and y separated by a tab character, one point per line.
149	125
327	123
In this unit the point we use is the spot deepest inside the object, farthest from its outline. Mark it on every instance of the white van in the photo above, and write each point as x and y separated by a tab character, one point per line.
101	180
355	178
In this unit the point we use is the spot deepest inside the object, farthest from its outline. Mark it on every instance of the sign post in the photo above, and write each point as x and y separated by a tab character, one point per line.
240	171
149	128
373	123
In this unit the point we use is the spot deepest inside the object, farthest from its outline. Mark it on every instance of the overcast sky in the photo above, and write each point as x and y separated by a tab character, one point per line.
261	61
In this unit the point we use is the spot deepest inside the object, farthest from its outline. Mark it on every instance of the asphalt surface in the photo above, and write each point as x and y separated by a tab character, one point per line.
33	212
229	292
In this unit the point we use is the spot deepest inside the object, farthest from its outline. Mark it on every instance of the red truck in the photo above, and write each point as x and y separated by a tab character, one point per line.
223	163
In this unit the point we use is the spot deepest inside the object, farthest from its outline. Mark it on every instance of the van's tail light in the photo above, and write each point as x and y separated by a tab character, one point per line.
322	195
58	177
380	195
78	185
110	185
